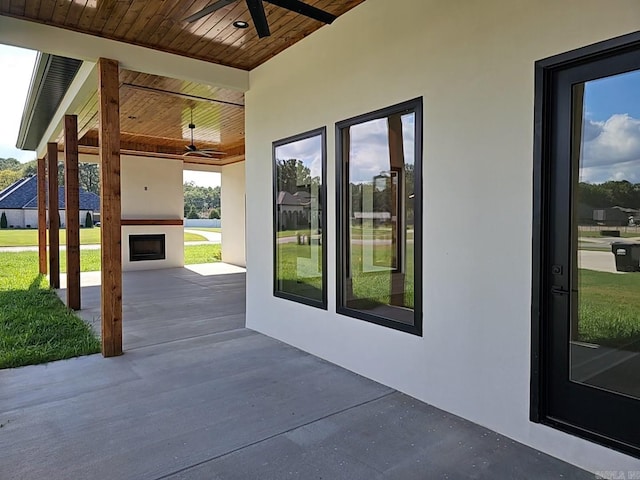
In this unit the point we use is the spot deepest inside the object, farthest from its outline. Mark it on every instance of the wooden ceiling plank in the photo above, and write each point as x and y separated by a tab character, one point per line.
283	25
160	25
74	14
184	96
222	29
117	14
237	37
105	11
185	39
130	18
31	9
17	7
136	32
62	9
173	18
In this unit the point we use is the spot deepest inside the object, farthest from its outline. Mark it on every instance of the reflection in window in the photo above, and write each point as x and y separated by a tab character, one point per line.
299	192
380	255
605	329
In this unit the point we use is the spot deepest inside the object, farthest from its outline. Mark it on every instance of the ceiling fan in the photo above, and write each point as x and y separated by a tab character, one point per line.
193	150
256	9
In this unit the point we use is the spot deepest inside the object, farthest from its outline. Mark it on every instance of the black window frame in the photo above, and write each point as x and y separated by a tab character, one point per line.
342	241
546	71
322	133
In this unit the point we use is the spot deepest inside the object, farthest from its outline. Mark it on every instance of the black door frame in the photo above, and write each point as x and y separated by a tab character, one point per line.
546	74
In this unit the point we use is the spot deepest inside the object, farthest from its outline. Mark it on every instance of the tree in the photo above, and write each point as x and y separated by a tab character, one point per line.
192	214
201	199
293	175
3	220
214	213
7	177
88	221
88	177
10	164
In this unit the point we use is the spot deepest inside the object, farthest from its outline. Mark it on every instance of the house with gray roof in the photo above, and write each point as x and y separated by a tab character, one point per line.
19	202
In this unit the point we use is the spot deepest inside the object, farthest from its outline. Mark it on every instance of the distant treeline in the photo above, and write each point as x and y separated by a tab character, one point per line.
11	170
610	194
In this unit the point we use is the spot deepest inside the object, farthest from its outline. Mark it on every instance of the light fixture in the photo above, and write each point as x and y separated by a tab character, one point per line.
240	24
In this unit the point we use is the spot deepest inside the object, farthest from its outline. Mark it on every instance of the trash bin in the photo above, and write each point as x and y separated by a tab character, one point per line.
627	256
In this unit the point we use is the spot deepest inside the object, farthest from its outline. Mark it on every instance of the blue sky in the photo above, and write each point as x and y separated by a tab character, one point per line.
16	65
611	129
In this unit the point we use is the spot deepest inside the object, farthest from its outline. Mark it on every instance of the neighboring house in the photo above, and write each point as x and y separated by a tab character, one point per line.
614	216
19	202
293	210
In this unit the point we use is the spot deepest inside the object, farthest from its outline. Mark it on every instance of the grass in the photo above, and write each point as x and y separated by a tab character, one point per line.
35	326
193	237
202	254
609	309
596	234
206	229
370	289
88	236
29	237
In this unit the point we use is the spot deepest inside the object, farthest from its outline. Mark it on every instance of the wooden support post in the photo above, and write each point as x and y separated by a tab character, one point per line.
72	209
42	216
396	157
110	234
54	216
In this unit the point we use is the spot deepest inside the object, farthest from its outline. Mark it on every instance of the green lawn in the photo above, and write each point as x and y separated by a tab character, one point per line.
596	234
193	237
35	326
206	229
609	309
88	236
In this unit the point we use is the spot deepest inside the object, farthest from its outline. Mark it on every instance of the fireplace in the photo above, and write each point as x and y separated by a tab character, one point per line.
146	247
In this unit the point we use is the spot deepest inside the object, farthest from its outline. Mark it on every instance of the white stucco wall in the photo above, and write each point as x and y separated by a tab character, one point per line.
152	189
473	62
232	207
15	217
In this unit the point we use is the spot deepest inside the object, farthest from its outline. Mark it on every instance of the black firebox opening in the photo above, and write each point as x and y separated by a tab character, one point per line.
146	247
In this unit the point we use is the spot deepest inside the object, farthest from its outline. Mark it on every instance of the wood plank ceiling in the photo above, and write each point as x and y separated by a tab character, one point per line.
154	111
160	25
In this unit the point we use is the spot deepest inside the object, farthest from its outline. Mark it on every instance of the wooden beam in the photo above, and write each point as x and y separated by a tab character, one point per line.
152	221
54	216
110	206
72	209
42	216
184	96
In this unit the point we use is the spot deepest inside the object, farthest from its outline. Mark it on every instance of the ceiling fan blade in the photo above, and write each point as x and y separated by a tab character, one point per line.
212	151
256	9
197	153
208	10
304	9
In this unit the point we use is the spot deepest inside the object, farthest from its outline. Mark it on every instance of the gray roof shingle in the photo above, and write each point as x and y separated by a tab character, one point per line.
24	194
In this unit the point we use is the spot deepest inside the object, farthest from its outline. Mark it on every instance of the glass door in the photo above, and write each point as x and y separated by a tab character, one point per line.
593	245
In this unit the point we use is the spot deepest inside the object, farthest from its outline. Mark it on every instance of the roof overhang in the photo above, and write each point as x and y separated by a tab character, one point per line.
52	76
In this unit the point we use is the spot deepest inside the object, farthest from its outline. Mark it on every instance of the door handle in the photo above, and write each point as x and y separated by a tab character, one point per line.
559	291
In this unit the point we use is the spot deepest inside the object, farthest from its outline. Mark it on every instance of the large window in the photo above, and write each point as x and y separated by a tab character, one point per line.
300	218
379	208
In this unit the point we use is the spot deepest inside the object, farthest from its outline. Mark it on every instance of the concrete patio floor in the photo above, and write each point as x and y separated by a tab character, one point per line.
198	396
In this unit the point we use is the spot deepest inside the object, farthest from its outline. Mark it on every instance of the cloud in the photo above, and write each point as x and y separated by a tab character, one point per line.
308	151
369	153
608	143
